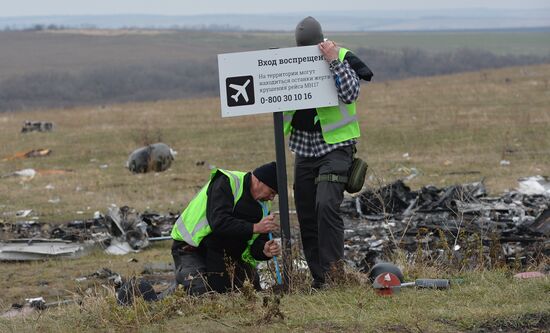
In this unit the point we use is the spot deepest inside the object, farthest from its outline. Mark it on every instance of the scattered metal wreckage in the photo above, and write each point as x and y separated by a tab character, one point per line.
458	225
121	231
104	277
36	126
157	281
155	157
29	154
129	230
33	305
104	274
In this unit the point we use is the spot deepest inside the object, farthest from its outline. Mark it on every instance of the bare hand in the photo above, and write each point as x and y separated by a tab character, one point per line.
267	224
329	50
272	248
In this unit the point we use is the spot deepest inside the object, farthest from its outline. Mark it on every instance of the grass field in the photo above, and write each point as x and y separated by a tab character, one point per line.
73	51
454	128
450	126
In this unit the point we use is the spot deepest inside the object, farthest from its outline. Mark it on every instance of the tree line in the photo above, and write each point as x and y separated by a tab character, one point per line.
186	79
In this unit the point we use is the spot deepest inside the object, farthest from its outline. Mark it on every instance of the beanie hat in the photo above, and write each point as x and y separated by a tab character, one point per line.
308	32
267	174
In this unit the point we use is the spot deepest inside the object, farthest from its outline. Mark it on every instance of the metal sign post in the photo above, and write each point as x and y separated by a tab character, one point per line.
272	81
283	196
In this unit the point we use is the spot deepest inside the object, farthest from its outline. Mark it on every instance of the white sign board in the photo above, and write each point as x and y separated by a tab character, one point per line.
275	80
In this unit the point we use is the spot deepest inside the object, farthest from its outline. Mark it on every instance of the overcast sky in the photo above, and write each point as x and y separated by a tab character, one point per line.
185	7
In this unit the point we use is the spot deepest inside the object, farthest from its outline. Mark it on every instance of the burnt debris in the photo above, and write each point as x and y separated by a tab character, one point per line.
37	126
156	157
460	226
121	231
456	225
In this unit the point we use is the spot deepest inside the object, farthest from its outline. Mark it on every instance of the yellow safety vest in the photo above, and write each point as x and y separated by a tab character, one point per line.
338	123
192	225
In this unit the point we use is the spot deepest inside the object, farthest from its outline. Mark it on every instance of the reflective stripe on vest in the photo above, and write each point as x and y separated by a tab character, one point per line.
347	124
246	256
188	237
182	228
237	188
346	119
236	182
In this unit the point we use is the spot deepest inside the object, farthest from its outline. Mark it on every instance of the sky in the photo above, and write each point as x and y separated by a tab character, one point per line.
194	7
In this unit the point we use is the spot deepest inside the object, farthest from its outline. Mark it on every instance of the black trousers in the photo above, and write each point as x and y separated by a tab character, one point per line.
210	268
318	208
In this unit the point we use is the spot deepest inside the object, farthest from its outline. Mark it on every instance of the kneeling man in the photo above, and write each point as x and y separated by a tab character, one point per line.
222	233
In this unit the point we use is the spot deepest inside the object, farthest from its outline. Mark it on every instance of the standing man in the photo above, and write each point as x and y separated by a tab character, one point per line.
323	140
223	231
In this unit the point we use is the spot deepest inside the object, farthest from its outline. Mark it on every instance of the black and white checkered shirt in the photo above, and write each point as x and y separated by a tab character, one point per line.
312	144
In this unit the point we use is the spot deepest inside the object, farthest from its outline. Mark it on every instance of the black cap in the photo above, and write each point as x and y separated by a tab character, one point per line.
267	174
308	32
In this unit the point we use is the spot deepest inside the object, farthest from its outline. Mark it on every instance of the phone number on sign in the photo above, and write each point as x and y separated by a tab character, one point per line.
286	98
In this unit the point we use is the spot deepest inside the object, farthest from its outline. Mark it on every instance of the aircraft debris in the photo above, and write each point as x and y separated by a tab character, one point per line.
122	231
534	185
32	305
38	126
457	225
104	274
131	231
23	213
39	249
28	174
29	154
24	174
155	157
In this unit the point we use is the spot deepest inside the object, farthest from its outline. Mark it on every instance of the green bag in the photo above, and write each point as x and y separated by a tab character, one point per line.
357	174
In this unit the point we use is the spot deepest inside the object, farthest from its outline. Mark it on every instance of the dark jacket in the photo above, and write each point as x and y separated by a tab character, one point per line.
231	228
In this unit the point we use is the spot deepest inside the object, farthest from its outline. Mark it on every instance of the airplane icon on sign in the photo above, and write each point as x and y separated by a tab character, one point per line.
238	86
241	91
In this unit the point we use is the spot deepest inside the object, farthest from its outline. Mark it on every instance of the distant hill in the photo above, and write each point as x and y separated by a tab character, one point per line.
460	19
54	68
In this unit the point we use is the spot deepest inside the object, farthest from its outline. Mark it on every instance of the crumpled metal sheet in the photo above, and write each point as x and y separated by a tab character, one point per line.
123	228
457	224
128	228
25	250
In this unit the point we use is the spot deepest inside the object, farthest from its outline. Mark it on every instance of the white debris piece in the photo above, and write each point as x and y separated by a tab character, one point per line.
534	185
39	250
24	174
54	200
119	248
23	213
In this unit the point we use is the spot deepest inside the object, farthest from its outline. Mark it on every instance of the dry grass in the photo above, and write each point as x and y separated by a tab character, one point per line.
449	126
478	301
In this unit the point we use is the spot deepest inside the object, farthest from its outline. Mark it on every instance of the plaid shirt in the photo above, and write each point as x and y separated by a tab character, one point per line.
312	144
